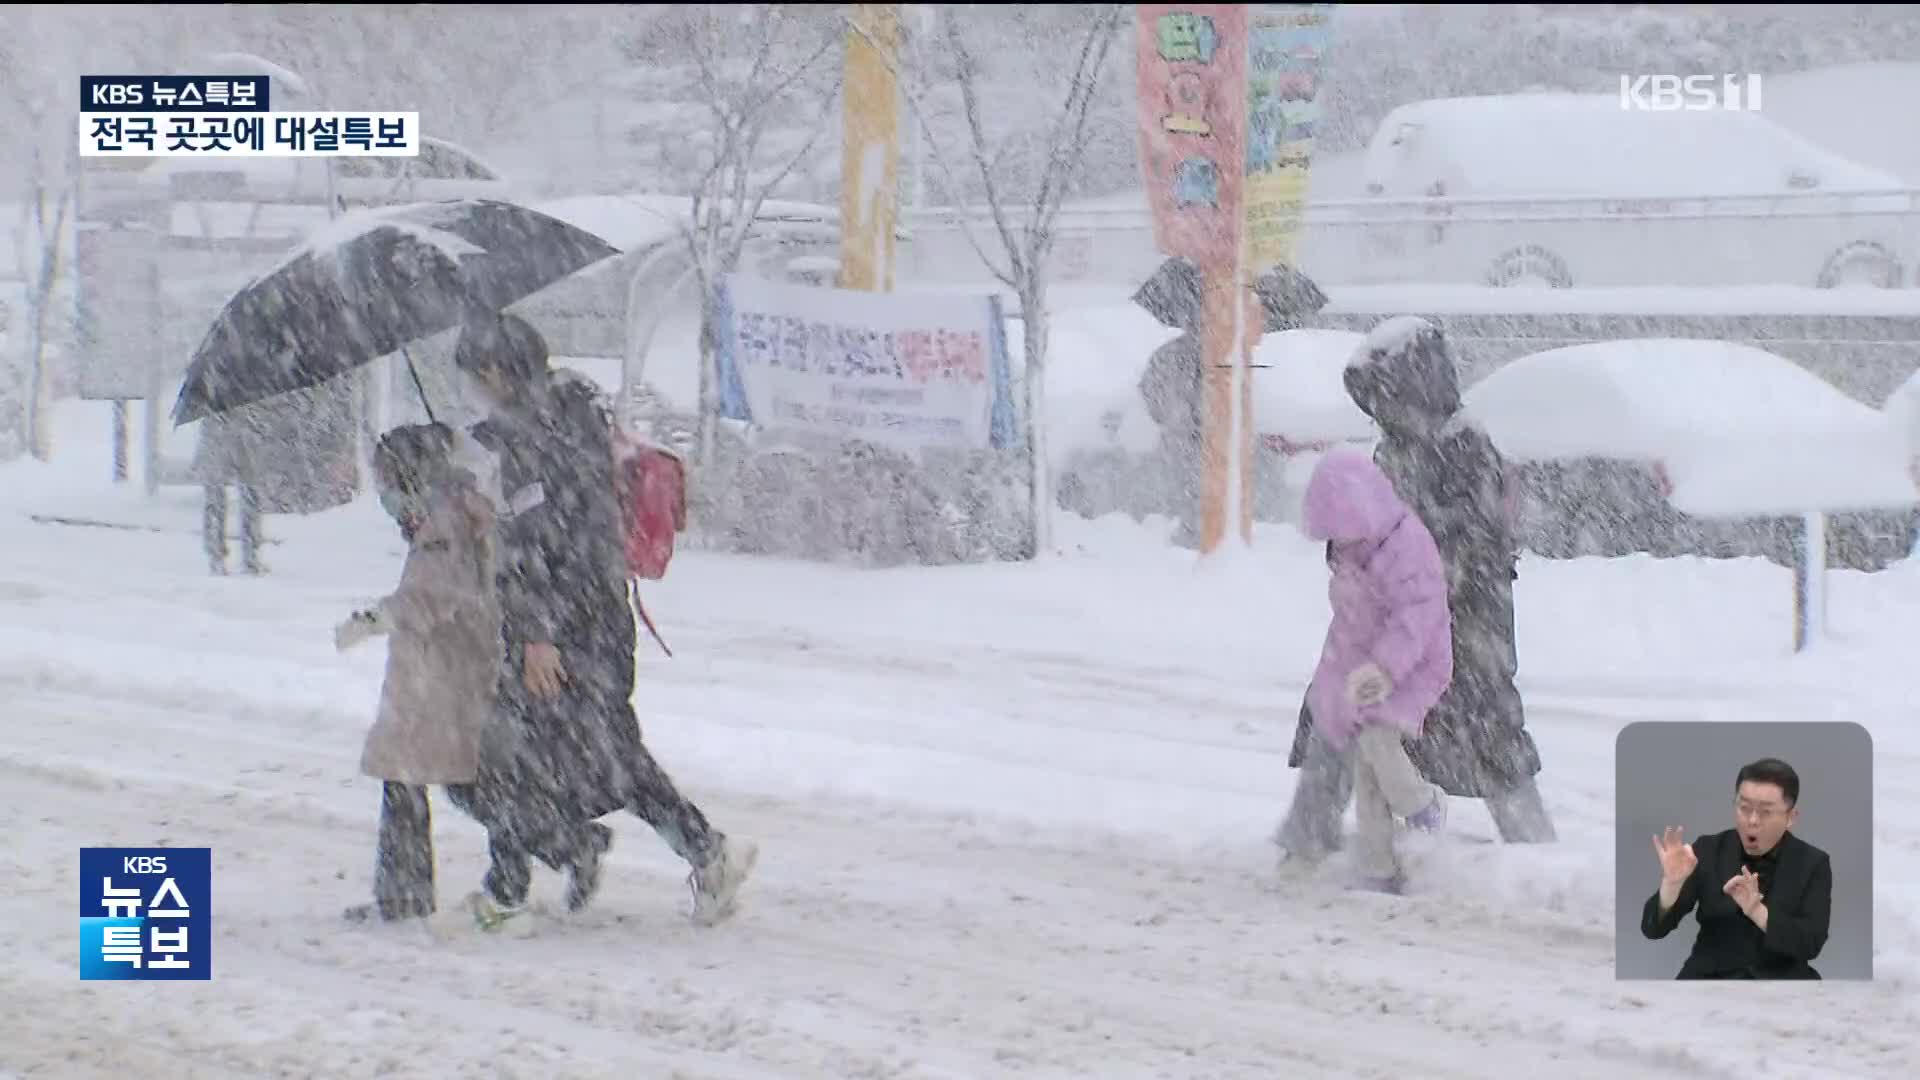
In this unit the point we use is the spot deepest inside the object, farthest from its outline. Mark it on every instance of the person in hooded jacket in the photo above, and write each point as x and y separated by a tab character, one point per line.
1475	743
572	751
443	627
1388	654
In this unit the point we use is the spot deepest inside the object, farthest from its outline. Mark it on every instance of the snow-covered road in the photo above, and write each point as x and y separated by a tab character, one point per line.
1009	920
877	942
1013	823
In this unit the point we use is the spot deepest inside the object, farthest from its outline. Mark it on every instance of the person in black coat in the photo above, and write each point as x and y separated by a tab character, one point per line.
568	749
1475	744
1764	896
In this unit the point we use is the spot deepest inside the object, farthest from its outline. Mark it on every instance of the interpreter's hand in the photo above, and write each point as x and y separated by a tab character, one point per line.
1744	888
356	628
542	672
1677	859
1368	685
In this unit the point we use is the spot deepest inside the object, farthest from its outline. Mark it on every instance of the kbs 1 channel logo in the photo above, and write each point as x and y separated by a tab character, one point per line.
146	913
168	116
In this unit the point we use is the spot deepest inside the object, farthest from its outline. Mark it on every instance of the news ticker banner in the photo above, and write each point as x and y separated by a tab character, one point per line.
155	116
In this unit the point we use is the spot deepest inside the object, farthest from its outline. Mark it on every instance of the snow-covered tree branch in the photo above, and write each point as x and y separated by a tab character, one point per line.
1023	214
44	180
766	81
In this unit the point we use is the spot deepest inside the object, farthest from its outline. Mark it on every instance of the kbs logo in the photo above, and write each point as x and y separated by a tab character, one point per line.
1689	93
116	94
144	913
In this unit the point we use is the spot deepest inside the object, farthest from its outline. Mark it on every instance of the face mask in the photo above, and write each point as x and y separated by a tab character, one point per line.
481	464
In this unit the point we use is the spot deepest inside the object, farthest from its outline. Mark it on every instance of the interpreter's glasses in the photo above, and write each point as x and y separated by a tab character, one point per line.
1755	811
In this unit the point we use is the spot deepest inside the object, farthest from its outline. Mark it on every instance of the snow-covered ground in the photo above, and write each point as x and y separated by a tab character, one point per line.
1014	822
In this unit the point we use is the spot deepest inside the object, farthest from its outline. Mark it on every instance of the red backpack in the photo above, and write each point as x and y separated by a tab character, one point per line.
651	482
650	485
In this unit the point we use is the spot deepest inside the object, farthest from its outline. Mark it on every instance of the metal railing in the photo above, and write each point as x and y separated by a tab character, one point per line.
1460	209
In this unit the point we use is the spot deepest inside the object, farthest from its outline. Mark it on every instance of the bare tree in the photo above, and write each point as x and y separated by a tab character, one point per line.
765	86
46	178
1024	178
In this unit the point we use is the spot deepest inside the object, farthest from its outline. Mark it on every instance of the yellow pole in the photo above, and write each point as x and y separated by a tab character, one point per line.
870	154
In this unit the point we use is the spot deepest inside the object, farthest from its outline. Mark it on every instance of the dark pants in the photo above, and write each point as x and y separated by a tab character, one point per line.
519	830
523	825
213	526
656	801
403	867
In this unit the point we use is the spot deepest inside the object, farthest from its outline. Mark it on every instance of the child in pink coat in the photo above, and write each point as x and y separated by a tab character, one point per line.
1388	654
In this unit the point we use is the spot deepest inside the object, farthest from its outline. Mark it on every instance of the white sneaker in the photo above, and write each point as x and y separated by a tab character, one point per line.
716	886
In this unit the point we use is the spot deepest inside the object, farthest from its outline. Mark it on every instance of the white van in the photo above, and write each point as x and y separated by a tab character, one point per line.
1563	190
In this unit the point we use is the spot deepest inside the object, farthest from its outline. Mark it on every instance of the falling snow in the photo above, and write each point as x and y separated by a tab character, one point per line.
921	759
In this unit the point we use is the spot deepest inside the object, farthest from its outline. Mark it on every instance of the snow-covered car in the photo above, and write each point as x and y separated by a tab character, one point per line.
1562	189
1674	446
1104	448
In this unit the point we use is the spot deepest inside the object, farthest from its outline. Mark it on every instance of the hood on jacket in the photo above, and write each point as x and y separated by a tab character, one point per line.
1404	378
1349	498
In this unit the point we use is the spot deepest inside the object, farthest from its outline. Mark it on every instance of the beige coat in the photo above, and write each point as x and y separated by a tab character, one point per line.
443	652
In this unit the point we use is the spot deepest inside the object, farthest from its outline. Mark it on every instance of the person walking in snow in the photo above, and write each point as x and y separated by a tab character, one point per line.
443	654
223	458
1388	655
1475	744
1172	387
572	751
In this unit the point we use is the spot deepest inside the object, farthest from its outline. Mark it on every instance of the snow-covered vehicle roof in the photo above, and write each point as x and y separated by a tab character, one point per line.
1853	109
1301	395
1903	412
451	170
1547	144
1740	431
1097	356
640	221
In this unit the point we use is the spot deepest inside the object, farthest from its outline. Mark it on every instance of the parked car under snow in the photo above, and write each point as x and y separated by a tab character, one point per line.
1677	447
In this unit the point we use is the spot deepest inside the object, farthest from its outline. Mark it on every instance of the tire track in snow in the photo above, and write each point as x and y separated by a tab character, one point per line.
849	933
953	981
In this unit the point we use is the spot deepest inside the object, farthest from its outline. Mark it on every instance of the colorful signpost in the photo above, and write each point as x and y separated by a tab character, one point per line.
1228	104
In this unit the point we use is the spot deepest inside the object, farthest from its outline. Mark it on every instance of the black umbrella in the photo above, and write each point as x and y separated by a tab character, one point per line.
370	284
1172	295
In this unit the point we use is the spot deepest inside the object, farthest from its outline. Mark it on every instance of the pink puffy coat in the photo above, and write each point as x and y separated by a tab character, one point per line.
1389	596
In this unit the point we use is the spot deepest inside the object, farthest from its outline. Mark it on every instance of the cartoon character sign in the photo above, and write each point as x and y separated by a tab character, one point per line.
1187	102
1191	61
1196	182
1186	37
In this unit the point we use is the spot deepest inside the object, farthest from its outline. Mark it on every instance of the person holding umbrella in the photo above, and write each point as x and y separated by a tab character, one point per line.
1174	384
572	750
222	458
567	748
